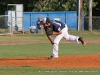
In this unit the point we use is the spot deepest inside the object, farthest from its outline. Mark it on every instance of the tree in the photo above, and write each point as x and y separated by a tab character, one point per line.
27	4
85	6
96	9
50	5
61	5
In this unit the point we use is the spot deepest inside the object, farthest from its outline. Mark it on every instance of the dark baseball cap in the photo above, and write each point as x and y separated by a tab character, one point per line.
46	20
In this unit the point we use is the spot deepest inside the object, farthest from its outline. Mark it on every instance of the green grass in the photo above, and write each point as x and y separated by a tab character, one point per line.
11	51
46	71
42	37
94	35
45	49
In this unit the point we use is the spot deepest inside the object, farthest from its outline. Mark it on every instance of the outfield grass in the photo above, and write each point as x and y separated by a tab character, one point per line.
13	51
43	49
42	37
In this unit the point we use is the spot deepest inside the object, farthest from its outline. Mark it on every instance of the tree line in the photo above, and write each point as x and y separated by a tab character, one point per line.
50	5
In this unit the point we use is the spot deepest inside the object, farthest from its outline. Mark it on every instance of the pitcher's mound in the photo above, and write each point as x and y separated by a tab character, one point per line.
81	61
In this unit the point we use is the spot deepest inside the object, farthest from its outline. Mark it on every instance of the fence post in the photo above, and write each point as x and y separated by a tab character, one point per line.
79	14
90	15
11	24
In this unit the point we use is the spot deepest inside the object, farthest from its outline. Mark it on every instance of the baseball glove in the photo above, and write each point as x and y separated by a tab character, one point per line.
49	31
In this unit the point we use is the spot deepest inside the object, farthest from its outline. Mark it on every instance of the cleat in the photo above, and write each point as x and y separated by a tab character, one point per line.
82	41
51	58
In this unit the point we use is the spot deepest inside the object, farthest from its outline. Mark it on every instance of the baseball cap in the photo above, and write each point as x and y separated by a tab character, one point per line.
46	20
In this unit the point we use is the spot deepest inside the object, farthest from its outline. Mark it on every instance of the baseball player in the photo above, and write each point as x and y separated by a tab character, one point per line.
60	30
39	24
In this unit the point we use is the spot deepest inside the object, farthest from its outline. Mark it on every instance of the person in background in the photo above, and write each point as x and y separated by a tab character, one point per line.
39	24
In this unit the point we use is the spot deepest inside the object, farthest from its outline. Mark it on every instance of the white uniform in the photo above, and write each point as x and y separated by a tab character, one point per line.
64	34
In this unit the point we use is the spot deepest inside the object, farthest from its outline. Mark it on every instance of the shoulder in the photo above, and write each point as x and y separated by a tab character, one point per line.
56	21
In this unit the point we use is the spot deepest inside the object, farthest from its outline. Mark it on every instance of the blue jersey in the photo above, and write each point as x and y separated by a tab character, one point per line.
57	26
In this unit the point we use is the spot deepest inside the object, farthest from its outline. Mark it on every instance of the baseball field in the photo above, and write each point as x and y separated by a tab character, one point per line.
27	54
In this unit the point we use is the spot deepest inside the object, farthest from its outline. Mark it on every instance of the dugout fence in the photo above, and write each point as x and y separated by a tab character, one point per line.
6	27
95	23
73	21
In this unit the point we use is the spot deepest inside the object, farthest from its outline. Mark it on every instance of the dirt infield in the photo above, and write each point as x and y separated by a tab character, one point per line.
81	61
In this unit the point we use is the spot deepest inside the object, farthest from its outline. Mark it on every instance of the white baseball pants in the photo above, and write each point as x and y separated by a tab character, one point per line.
59	37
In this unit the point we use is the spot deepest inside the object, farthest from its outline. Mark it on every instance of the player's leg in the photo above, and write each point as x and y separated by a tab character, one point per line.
74	38
71	37
55	46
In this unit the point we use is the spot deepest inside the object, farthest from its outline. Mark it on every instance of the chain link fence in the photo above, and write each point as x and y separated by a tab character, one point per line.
95	23
5	28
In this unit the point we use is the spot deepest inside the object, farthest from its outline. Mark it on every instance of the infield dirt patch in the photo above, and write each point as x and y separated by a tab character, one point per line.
81	61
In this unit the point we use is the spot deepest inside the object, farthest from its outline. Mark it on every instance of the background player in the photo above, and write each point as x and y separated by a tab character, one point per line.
39	24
